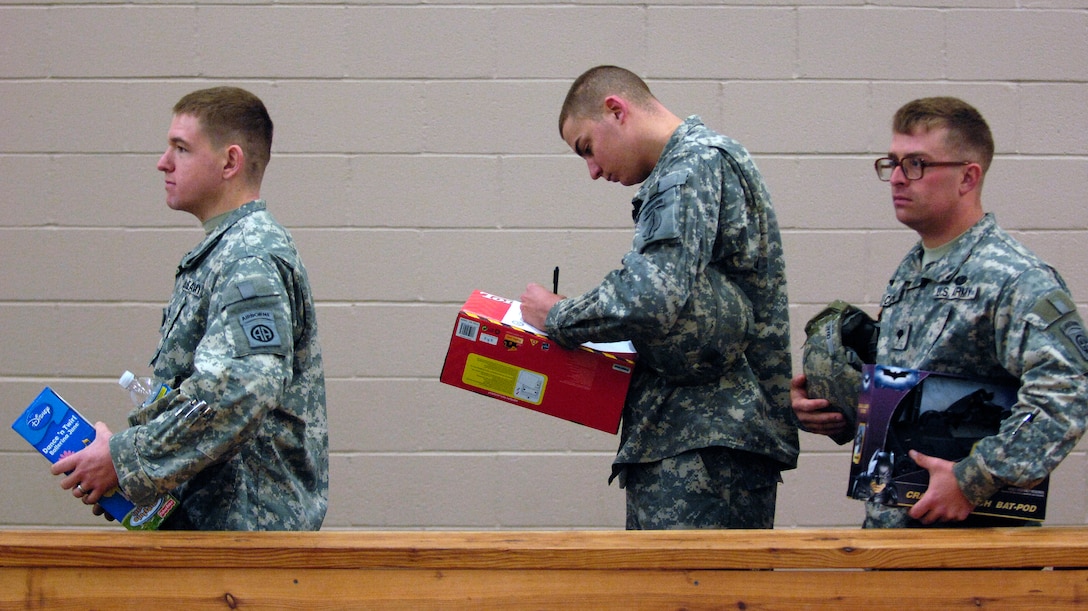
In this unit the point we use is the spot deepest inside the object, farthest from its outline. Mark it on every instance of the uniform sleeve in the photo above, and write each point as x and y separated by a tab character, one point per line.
673	244
241	366
1042	340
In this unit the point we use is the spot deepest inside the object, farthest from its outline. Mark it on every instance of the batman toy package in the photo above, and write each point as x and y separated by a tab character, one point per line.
936	414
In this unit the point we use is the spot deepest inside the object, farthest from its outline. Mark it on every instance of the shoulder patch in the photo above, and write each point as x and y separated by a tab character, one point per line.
1057	308
658	223
1074	331
1054	306
658	217
260	328
247	286
246	289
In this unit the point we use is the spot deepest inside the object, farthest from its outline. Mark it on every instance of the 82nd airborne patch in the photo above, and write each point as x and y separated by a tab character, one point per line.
260	328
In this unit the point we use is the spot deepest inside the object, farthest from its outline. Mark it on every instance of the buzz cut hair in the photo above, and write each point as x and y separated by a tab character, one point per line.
585	99
231	115
968	133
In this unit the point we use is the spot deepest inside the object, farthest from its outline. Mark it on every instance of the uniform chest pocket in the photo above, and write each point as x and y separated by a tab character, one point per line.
918	335
170	315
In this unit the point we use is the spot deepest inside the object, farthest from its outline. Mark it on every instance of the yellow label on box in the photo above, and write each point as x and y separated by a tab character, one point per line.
504	379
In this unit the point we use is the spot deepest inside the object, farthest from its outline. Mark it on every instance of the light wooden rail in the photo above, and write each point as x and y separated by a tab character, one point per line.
833	569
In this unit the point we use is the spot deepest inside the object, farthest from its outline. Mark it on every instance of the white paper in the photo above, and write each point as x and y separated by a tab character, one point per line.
514	319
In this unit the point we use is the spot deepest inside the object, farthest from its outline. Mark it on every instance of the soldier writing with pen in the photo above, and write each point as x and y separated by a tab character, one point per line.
701	294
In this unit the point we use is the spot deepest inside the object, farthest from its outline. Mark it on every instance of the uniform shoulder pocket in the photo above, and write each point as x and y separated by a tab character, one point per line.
1057	313
659	217
256	315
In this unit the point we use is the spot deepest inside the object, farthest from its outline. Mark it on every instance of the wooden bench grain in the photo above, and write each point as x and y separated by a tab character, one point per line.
832	569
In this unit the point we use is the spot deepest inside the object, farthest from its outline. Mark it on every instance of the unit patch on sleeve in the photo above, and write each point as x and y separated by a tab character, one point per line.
260	328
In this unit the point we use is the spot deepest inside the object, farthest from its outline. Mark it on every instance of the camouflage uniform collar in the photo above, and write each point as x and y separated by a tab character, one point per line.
212	238
689	124
945	268
649	186
681	133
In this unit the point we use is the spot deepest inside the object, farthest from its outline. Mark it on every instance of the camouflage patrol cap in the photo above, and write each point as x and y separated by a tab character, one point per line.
840	339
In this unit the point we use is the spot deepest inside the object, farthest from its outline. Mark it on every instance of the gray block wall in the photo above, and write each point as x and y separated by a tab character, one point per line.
417	158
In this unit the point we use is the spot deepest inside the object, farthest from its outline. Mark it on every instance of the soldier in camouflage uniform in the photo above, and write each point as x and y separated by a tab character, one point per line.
239	335
970	300
707	425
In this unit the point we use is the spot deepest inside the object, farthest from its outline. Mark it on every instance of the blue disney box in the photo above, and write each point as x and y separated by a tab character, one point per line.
57	430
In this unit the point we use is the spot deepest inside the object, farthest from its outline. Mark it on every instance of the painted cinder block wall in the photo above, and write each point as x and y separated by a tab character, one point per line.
417	158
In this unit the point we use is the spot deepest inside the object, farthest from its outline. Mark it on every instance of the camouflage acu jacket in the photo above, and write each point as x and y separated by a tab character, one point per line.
240	334
702	295
991	309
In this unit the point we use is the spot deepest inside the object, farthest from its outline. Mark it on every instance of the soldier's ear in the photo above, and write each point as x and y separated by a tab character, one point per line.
616	107
971	179
234	162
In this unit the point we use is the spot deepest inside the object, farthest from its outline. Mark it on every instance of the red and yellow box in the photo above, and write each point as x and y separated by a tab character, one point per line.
494	353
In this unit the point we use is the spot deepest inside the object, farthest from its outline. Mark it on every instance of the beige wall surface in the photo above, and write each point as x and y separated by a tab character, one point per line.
417	158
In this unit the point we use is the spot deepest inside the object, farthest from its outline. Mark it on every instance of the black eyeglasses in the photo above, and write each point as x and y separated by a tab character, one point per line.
913	167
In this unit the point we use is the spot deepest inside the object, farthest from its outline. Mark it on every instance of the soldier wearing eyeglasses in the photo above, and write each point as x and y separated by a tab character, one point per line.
970	300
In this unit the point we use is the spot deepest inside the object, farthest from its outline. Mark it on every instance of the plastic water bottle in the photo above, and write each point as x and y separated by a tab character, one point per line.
142	391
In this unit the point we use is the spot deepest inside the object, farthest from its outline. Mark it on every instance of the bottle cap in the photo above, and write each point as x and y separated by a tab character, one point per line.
126	379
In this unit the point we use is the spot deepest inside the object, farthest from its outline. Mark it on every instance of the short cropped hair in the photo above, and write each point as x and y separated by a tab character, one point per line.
230	115
968	133
587	93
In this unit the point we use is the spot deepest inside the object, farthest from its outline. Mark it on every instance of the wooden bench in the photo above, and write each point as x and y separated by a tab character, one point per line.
1025	568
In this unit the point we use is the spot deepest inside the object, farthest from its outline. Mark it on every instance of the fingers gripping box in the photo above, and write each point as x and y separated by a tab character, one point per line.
494	353
938	415
56	430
